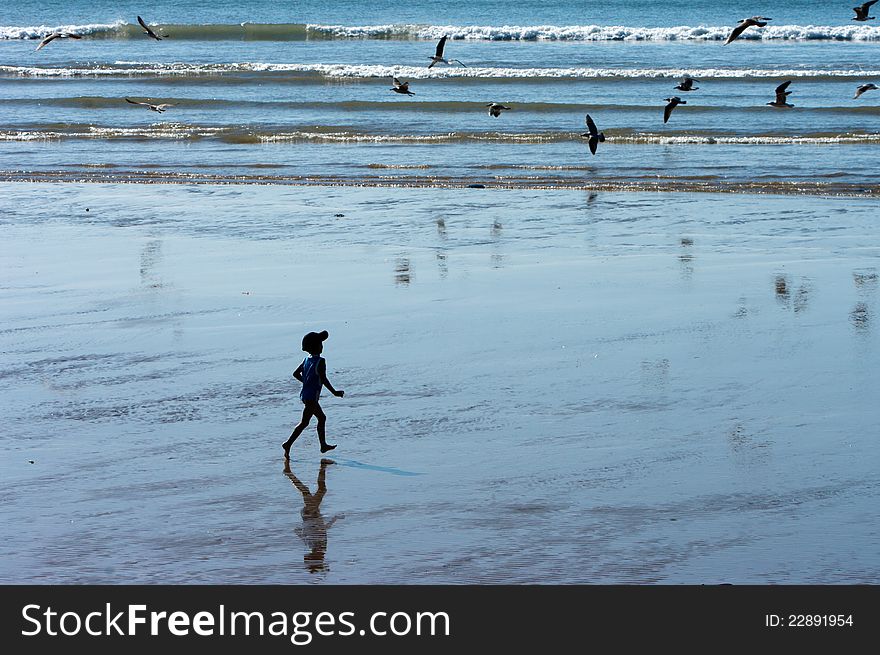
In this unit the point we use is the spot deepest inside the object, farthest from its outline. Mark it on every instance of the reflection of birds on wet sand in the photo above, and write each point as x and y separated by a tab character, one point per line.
781	96
149	32
862	88
313	530
757	21
438	54
671	103
57	35
862	11
157	108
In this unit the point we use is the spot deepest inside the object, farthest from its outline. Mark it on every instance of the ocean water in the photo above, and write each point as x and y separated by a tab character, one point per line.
300	93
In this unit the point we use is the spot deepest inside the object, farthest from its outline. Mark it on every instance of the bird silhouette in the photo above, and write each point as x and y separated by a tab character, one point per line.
687	84
757	21
148	31
781	96
57	35
401	87
862	88
438	54
495	109
672	103
596	137
157	108
862	11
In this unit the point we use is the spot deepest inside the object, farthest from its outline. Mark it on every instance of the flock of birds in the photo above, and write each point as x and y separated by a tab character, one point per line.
593	134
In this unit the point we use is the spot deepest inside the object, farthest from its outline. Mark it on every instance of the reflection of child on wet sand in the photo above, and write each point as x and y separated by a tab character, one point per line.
314	528
313	375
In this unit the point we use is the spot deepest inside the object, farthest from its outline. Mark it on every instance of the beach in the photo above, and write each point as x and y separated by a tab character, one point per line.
541	386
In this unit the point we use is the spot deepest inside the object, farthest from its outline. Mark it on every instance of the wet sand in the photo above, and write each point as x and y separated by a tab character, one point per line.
541	387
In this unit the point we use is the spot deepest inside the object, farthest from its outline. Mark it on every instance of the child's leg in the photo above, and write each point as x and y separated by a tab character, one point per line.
322	420
308	411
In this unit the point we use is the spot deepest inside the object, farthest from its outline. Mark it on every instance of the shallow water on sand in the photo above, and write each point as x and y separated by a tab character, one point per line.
541	387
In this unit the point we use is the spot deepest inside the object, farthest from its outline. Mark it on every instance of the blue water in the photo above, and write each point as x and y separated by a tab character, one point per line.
293	92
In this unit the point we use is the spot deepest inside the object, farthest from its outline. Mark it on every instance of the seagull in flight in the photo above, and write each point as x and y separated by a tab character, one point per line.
862	11
672	103
495	109
781	96
595	135
148	31
157	108
57	35
758	21
864	87
401	87
438	55
687	84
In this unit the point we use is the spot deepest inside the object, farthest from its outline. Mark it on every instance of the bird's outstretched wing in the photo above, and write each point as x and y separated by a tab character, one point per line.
739	29
591	126
48	40
594	141
148	30
440	46
667	112
134	102
396	81
781	92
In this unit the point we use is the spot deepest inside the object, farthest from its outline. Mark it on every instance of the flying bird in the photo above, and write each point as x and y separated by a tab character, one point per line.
781	96
758	21
687	84
862	88
401	87
157	108
438	55
495	109
862	11
672	103
148	31
595	135
57	35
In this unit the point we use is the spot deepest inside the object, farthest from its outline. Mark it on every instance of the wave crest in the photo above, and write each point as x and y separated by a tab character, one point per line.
302	31
349	71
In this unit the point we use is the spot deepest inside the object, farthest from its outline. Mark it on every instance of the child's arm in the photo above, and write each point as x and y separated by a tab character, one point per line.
298	373
322	371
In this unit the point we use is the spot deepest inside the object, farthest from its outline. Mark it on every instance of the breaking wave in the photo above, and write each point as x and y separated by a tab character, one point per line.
316	72
303	31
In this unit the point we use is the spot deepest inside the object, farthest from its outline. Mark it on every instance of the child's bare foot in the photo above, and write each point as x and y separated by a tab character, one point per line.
286	448
327	446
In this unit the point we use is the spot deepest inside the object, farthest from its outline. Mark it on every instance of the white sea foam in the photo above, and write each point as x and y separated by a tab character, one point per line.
600	32
181	131
348	71
122	29
687	139
9	33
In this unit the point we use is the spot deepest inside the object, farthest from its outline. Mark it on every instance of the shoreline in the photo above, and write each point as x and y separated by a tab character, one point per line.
540	387
530	183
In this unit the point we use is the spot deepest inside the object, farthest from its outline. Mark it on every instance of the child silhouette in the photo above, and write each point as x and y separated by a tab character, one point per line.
313	375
